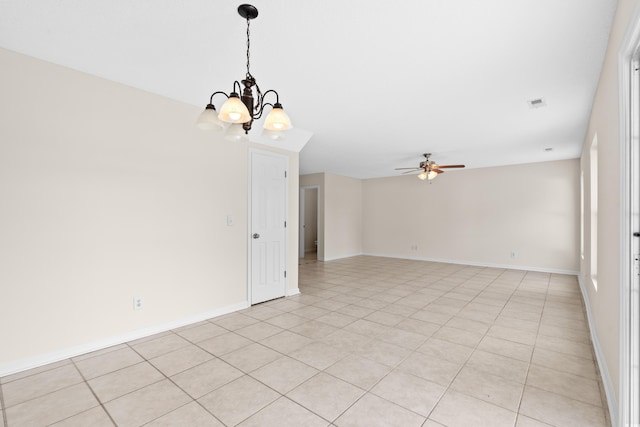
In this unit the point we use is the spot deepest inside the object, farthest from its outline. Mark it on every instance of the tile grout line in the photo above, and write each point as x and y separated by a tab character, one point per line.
532	352
40	369
349	353
603	404
83	381
518	414
446	389
464	364
40	396
172	381
5	422
366	391
92	392
281	395
144	360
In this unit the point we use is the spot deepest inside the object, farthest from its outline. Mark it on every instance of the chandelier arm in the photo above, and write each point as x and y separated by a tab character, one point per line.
239	88
262	104
277	96
258	115
215	93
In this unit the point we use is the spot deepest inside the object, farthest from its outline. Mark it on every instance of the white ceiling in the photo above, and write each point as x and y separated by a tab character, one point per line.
377	82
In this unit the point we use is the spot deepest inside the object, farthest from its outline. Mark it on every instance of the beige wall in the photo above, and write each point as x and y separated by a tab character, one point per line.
340	214
343	216
479	216
292	221
604	303
106	193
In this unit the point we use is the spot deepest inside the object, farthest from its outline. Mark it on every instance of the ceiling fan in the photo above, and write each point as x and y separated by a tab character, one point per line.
428	168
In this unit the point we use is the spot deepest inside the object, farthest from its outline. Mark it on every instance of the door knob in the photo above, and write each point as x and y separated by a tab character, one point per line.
256	235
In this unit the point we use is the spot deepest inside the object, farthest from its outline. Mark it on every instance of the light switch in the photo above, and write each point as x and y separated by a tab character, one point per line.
229	220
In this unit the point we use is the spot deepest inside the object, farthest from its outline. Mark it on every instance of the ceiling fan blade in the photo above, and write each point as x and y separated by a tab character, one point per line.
399	169
450	166
437	171
412	171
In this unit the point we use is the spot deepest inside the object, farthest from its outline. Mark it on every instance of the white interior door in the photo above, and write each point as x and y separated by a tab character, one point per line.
268	226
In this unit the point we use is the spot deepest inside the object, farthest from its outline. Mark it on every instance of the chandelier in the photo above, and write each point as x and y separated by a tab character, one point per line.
241	111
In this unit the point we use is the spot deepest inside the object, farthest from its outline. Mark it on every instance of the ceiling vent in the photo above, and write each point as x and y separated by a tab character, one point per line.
537	103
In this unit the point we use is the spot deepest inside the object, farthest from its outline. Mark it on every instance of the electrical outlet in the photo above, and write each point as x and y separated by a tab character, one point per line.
137	303
414	247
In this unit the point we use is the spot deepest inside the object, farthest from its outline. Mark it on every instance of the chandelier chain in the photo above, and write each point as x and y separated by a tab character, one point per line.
248	48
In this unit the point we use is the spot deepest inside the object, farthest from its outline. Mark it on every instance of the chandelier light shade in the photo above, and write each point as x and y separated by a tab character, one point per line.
243	110
208	119
234	110
277	119
235	132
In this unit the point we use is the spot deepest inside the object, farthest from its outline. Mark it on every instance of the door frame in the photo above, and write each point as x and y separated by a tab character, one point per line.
253	151
301	216
629	99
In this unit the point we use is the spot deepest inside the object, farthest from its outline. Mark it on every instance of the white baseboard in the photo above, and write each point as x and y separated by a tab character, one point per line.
342	256
292	292
66	353
476	264
602	366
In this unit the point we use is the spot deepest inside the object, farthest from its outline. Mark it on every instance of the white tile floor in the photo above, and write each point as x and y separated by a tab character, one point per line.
369	342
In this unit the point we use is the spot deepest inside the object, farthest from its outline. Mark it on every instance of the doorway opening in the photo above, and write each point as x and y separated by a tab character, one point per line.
309	236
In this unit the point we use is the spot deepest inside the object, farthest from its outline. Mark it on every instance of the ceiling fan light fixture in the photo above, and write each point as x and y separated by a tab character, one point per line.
428	168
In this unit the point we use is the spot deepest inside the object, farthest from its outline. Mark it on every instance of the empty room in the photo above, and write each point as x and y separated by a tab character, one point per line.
420	213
